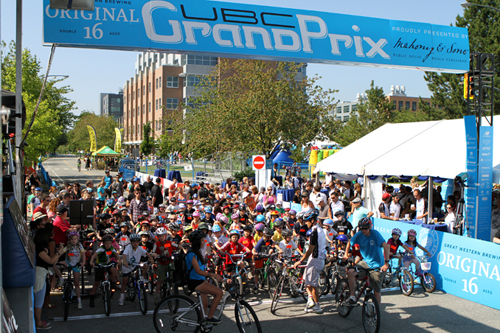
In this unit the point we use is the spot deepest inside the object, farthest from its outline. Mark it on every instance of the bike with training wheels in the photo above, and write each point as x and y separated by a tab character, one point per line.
137	286
181	314
427	279
370	306
105	287
397	270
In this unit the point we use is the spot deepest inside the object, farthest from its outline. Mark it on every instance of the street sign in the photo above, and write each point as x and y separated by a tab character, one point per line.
258	162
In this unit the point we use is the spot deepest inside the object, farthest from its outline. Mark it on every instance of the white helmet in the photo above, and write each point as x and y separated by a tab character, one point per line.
161	231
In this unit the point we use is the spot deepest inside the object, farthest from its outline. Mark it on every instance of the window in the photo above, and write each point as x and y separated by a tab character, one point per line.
339	109
414	106
400	105
149	86
346	108
346	118
143	90
149	107
172	103
156	105
172	82
188	102
192	81
159	103
143	108
201	60
339	118
354	108
156	83
159	81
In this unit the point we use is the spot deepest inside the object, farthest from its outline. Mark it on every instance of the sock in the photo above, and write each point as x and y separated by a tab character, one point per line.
79	299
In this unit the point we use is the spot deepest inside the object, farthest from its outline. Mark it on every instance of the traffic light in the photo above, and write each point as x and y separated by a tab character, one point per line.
468	86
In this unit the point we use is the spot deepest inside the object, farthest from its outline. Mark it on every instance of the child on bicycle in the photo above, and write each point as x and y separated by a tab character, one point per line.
248	241
163	249
123	237
219	238
409	256
265	246
394	243
233	247
75	260
132	256
330	234
103	254
287	246
278	230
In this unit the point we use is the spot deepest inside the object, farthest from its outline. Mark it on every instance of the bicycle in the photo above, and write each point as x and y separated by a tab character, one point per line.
267	274
105	287
181	313
79	167
371	309
137	285
167	287
427	280
405	278
68	288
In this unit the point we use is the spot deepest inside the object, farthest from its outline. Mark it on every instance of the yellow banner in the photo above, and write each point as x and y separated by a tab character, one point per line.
118	141
93	139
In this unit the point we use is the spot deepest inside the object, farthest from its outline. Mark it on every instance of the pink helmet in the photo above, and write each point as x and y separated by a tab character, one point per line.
196	214
235	216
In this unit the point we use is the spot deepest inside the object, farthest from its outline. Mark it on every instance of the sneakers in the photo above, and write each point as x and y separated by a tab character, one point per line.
121	301
317	309
80	305
213	321
310	303
60	282
92	299
44	327
255	289
351	301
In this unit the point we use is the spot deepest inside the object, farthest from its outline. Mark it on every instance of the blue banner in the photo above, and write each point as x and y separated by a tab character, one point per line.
259	32
471	168
464	267
485	179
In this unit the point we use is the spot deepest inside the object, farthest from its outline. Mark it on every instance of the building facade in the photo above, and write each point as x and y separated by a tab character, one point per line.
112	105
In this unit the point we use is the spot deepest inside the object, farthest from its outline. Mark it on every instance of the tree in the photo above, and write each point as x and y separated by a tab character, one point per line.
250	105
171	140
147	141
483	25
54	115
78	137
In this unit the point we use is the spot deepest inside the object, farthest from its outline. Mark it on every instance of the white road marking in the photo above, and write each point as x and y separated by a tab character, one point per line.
65	169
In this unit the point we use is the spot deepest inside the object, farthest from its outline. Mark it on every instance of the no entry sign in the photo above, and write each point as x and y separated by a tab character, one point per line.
259	162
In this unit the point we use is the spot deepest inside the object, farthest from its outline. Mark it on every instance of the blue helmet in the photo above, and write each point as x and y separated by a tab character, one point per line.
216	228
110	202
234	232
208	209
328	222
311	215
260	218
342	238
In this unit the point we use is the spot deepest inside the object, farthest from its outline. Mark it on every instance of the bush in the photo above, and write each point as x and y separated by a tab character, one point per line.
238	176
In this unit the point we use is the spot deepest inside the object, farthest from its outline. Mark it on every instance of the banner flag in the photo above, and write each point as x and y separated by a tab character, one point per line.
93	139
118	140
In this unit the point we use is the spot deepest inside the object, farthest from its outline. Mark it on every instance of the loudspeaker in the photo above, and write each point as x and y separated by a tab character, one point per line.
81	212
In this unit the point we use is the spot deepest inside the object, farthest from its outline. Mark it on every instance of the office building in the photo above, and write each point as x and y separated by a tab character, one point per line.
112	105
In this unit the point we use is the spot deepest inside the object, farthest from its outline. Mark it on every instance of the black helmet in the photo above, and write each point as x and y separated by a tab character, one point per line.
248	227
287	233
311	215
339	213
365	222
278	223
174	226
105	216
196	235
268	232
107	238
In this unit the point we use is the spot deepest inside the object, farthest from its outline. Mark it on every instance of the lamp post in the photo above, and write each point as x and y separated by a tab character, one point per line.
470	4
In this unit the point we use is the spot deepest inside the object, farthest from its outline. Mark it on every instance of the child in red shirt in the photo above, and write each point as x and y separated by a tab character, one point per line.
249	242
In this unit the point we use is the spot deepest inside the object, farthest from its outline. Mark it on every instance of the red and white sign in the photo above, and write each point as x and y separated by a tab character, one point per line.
259	162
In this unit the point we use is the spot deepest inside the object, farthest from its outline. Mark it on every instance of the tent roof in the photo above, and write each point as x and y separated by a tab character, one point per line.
283	156
105	151
432	148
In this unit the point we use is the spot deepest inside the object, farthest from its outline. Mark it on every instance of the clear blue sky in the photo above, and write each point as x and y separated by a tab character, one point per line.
92	72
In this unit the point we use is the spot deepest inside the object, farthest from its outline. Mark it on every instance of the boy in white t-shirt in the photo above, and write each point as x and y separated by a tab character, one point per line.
218	236
287	246
131	257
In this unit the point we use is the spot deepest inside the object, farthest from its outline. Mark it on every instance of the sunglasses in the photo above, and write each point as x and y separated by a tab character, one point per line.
364	228
137	191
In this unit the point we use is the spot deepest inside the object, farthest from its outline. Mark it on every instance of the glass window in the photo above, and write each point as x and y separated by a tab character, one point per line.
188	102
413	106
156	105
407	105
149	86
149	107
143	108
339	109
400	105
172	82
346	108
193	80
200	60
159	81
172	103
354	108
346	118
159	103
143	90
156	83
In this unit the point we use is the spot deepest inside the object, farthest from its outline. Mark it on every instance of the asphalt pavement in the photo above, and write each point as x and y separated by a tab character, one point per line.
420	312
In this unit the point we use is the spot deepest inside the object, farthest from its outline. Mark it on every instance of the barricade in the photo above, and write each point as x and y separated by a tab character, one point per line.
46	177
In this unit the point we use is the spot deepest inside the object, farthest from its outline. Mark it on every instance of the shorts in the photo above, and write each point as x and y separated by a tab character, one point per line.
259	263
375	278
314	266
99	274
162	272
75	269
192	284
40	297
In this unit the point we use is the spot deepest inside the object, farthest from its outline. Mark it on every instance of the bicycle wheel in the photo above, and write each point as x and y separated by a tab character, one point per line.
334	284
107	299
342	295
238	285
387	278
406	283
177	313
68	290
428	282
151	281
246	318
143	299
276	294
371	314
272	282
323	283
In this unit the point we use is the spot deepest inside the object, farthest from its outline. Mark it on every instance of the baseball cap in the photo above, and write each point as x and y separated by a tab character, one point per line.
385	196
356	200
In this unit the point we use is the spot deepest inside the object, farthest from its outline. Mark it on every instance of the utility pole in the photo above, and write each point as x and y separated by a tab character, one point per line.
18	181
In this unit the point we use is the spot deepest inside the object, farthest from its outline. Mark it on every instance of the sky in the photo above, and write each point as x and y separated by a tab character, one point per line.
91	72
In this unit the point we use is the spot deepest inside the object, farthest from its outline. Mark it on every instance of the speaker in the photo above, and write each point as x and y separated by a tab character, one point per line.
81	212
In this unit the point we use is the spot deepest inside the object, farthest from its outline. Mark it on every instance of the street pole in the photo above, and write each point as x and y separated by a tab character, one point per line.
19	104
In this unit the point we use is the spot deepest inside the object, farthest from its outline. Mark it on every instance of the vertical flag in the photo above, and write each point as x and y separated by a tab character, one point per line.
118	140
93	139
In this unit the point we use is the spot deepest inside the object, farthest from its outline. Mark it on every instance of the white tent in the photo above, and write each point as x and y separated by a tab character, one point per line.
432	148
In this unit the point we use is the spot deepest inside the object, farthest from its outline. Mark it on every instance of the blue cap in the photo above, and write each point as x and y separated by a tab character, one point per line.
38	189
89	190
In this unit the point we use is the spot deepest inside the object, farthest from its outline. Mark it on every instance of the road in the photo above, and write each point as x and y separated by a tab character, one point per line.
421	312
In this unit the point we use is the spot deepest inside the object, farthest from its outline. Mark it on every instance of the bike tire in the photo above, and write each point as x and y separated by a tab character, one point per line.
107	300
334	285
343	294
323	283
67	301
406	283
371	314
143	299
276	294
272	282
151	282
428	282
245	316
173	307
387	278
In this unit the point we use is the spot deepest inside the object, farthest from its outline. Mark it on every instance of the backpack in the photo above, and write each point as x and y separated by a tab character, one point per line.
181	273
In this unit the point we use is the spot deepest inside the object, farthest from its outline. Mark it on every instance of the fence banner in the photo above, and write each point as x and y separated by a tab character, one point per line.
471	167
93	139
485	180
118	141
464	267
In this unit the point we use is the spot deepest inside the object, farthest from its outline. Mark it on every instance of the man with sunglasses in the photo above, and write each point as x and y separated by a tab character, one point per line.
44	204
370	244
358	211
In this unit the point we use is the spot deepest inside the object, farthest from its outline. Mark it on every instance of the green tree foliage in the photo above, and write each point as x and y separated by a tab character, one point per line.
147	141
250	105
483	25
171	140
54	116
373	113
79	139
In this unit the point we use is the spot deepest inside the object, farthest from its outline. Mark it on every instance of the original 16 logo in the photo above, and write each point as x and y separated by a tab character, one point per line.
249	23
428	239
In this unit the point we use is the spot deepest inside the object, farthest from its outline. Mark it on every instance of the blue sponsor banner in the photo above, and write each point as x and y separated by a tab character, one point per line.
471	168
485	179
259	32
464	267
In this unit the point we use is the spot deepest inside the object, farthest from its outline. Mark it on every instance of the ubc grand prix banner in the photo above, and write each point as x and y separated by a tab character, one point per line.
259	32
465	267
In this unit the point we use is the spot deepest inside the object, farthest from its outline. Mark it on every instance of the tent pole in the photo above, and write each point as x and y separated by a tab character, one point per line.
430	199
